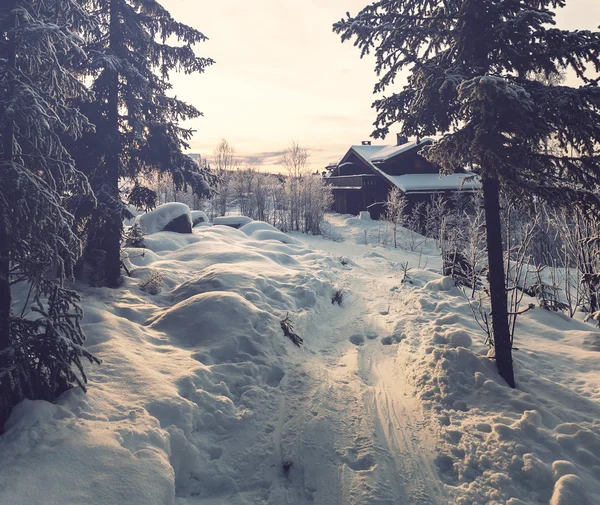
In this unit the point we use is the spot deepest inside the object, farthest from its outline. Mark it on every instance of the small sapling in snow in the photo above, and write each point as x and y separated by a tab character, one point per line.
134	237
405	277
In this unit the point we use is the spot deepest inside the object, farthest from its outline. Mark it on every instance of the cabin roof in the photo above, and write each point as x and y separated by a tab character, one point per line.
414	183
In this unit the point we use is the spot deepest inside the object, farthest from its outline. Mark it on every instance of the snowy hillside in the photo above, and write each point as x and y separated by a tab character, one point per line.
202	400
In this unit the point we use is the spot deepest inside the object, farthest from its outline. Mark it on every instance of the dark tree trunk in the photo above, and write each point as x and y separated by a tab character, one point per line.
7	158
498	296
113	226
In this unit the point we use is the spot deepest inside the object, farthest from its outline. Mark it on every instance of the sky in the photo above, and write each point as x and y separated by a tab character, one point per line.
282	75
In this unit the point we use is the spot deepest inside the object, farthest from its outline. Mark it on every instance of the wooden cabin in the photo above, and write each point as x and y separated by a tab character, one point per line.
362	179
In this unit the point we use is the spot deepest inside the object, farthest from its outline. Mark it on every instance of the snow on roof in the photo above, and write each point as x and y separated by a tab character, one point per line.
391	151
430	182
367	152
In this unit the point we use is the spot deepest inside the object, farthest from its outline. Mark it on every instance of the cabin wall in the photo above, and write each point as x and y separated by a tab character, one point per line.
353	166
353	201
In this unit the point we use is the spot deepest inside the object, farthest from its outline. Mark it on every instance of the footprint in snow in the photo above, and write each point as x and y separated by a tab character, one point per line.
365	462
393	339
357	339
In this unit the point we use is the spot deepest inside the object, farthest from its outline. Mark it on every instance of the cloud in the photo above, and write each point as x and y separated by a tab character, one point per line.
263	158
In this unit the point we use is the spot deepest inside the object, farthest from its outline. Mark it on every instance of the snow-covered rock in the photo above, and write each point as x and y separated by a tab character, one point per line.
233	221
172	216
199	217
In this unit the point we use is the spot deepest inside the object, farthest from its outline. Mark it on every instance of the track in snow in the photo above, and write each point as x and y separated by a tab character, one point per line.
349	424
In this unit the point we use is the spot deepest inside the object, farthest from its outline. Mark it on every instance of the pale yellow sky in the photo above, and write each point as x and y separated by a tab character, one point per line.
281	74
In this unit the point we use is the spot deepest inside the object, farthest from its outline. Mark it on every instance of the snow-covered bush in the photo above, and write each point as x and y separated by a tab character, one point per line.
315	199
412	239
394	212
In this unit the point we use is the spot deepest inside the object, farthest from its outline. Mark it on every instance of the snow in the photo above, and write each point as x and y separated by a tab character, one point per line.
202	400
155	221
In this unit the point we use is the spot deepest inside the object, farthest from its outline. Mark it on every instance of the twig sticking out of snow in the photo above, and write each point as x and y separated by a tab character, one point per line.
288	330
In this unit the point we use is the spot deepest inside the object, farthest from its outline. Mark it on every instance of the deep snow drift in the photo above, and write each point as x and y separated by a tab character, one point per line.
202	400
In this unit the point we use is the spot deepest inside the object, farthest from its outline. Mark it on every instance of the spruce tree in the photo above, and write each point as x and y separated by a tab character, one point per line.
40	336
474	69
136	45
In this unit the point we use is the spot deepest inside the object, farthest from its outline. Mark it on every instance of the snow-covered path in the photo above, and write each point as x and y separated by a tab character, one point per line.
349	424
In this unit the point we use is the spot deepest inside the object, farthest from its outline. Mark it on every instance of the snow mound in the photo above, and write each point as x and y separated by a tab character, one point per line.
233	221
441	284
458	338
211	318
164	242
159	219
226	232
250	228
274	235
373	254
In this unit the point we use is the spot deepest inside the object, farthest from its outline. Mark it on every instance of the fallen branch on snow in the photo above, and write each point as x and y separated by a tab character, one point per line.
288	330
